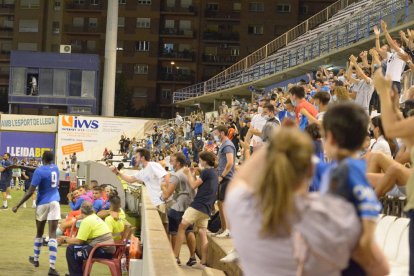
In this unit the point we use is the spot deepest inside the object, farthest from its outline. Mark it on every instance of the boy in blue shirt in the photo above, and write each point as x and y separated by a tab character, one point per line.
46	179
345	127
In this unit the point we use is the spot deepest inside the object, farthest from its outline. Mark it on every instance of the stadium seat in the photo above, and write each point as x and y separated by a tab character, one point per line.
382	230
393	238
399	267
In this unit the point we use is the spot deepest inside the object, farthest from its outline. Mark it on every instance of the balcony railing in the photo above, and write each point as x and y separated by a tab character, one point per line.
221	36
190	9
180	32
85	6
5	55
6	6
84	29
220	59
222	14
178	55
6	31
175	77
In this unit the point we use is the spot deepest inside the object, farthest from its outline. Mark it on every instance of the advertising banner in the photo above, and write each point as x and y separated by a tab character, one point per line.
16	122
88	136
26	144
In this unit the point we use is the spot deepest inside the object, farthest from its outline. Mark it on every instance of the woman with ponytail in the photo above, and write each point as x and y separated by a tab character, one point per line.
382	144
277	227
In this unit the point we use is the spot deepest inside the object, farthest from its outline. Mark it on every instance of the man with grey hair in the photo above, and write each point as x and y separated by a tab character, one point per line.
92	232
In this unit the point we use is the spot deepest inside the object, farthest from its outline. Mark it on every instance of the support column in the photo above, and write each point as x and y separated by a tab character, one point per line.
108	97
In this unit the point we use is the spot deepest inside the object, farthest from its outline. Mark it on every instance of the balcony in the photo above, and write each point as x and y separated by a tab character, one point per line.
7	9
220	59
170	32
86	30
209	35
86	7
175	78
178	10
6	32
222	15
5	56
185	55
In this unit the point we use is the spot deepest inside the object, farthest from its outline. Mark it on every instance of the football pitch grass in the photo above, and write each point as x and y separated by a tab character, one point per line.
17	233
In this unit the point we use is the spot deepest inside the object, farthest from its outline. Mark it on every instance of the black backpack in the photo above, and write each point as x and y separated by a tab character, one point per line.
214	224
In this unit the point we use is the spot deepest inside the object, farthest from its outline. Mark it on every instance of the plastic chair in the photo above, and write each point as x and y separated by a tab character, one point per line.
74	230
114	263
124	235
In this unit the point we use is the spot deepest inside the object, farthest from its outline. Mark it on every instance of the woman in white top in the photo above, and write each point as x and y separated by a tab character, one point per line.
382	144
278	228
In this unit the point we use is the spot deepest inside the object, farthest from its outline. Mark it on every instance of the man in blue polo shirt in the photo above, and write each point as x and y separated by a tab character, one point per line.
5	178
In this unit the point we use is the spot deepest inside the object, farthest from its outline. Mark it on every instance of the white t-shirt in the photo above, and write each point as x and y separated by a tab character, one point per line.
258	123
64	165
320	115
395	66
34	81
188	127
382	146
152	176
167	161
178	120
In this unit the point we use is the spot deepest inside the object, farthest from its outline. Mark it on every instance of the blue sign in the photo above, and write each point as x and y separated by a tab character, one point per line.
26	144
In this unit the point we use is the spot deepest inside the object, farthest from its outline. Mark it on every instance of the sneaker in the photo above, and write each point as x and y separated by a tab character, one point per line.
192	261
199	266
178	261
52	272
231	257
225	234
32	261
9	196
4	207
218	233
24	205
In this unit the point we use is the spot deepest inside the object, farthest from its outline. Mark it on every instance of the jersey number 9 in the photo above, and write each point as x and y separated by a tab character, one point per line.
54	179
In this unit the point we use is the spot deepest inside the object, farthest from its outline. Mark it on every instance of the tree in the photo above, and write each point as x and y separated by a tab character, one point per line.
123	97
4	100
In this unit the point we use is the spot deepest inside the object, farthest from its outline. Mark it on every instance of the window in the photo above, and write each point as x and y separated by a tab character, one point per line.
119	45
235	52
28	26
119	68
282	8
75	83
57	5
79	2
169	69
93	22
88	84
237	7
183	47
121	1
143	22
183	71
121	22
256	6
94	2
91	45
144	2
78	22
6	47
141	69
55	28
142	46
76	45
170	3
212	6
168	48
169	24
27	47
210	51
81	109
166	94
186	3
29	4
303	9
255	29
185	25
139	92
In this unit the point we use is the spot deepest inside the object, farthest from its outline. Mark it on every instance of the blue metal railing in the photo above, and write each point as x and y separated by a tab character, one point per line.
355	29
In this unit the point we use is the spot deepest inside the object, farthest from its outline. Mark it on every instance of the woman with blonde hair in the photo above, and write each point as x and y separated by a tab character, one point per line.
278	228
340	94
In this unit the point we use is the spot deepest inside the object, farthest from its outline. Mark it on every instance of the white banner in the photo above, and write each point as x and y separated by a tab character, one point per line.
28	123
88	136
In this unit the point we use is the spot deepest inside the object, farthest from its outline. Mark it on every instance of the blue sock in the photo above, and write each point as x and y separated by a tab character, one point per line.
37	246
52	252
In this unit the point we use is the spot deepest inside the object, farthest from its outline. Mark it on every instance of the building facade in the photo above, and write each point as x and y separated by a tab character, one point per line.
163	45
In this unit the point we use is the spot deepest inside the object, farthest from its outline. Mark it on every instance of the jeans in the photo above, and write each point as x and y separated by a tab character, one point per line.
75	264
397	85
410	215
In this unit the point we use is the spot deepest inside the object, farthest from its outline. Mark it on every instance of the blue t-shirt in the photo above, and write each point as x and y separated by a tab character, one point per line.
98	205
325	88
106	205
348	179
318	147
198	128
185	151
76	206
46	179
149	143
303	122
206	193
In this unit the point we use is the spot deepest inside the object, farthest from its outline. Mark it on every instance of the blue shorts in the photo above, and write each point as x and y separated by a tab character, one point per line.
174	220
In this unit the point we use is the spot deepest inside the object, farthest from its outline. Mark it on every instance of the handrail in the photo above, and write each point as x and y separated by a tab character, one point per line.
284	39
351	30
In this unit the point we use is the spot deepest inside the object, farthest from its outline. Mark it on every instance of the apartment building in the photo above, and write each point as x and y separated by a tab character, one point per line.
162	46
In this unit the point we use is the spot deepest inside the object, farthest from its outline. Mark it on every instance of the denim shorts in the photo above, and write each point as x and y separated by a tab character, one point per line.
174	220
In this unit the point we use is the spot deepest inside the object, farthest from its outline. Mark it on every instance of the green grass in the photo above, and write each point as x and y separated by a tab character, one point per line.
17	233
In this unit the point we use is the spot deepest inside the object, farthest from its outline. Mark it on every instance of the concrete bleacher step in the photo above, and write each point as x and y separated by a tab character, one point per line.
208	271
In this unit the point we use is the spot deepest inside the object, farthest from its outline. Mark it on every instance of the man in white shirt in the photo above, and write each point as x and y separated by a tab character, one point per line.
395	65
34	86
257	124
365	89
178	119
152	174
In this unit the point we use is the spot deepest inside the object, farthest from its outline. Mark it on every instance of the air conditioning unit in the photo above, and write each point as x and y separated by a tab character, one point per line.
223	45
67	49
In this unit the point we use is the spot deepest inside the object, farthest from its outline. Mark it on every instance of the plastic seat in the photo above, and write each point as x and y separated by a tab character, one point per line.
399	267
382	229
114	264
393	238
124	234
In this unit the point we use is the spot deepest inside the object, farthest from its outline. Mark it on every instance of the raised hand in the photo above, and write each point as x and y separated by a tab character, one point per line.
376	31
382	84
383	26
